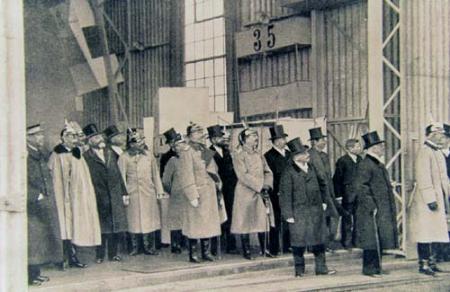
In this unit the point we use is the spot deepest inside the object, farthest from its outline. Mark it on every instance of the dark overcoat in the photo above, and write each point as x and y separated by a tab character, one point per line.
374	191
321	163
44	238
109	190
301	199
343	178
277	164
228	177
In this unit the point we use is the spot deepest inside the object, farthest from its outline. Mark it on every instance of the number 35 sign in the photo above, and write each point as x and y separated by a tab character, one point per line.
262	41
275	35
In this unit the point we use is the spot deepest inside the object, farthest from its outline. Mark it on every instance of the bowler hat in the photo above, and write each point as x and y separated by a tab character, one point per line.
172	136
111	131
316	134
371	139
276	132
296	146
91	130
215	131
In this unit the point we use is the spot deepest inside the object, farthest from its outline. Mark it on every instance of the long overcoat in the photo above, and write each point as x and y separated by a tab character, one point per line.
374	191
140	173
109	189
172	185
44	238
277	164
432	186
75	198
321	163
302	199
249	212
204	220
343	178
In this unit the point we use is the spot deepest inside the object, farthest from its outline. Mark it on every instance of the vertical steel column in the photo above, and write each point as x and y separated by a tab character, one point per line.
13	170
375	65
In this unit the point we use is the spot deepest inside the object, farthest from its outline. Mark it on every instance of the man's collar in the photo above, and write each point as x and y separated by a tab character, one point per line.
375	157
281	151
303	167
218	150
432	145
354	157
32	147
117	149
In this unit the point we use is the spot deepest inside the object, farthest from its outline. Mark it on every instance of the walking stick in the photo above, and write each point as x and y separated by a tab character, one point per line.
374	216
266	235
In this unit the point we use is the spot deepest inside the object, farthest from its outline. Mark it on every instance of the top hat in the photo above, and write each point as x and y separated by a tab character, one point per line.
276	132
215	131
316	134
296	146
34	129
193	127
91	130
447	130
371	139
172	136
111	131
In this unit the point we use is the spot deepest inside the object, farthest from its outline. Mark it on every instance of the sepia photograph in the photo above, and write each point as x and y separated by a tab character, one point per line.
224	145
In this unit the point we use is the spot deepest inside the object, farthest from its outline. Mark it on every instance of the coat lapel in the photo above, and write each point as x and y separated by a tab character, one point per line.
95	157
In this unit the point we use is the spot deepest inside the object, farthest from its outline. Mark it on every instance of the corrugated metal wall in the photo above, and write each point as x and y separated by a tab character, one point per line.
274	70
425	71
148	68
250	10
340	71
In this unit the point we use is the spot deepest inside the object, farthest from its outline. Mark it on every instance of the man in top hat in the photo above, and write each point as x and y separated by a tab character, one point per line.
171	183
110	191
44	243
375	214
303	205
430	203
140	173
343	178
277	158
75	195
199	182
252	209
115	140
223	159
320	160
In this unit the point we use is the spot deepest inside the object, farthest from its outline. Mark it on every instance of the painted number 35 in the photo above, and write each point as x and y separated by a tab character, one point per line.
257	44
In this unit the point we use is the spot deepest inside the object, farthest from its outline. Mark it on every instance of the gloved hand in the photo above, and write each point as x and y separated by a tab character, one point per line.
126	200
433	206
266	188
194	203
290	220
324	206
265	195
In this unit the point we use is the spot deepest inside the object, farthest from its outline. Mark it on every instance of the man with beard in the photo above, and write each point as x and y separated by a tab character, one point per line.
343	178
430	203
222	157
140	173
375	214
277	158
75	196
303	204
252	209
115	140
199	182
44	245
321	163
110	192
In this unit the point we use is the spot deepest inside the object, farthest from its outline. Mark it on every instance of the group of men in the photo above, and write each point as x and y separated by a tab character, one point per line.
96	185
